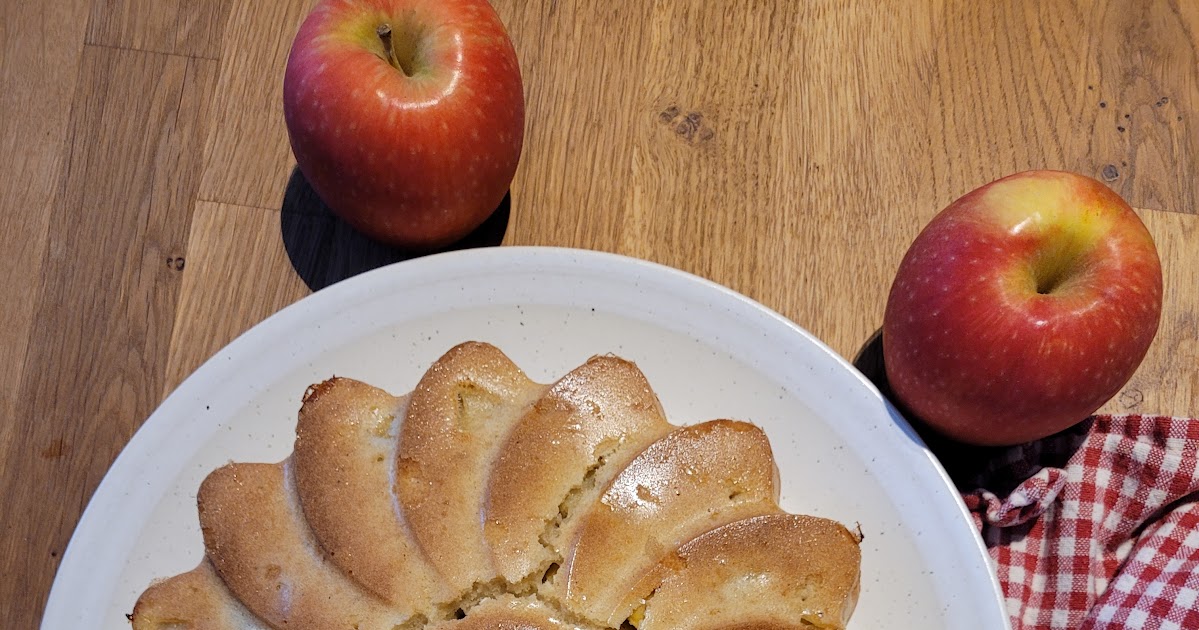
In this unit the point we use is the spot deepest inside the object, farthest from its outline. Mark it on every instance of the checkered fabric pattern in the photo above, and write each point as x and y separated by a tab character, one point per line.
1098	527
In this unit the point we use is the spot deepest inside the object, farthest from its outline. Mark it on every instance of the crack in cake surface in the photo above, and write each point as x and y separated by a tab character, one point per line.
550	535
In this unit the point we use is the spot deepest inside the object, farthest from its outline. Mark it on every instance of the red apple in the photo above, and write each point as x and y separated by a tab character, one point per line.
1021	308
405	116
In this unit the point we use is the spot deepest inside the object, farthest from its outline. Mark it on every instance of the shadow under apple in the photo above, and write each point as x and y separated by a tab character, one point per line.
323	249
971	466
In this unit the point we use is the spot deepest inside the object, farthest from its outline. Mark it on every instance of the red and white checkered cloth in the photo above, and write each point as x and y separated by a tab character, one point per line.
1098	527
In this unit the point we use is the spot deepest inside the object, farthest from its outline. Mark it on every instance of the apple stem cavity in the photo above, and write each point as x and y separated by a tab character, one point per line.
1058	265
1051	274
403	63
1048	283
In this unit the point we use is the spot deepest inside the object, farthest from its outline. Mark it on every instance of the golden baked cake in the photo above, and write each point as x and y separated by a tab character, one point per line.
484	500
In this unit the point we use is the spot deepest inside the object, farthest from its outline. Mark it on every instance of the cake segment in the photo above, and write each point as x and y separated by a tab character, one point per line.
486	500
692	480
772	571
344	463
258	541
196	600
575	437
457	418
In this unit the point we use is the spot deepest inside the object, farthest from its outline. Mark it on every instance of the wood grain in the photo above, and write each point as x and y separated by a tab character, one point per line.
94	364
40	83
250	105
1143	66
764	140
790	150
1168	381
1007	94
1082	86
237	275
573	107
182	27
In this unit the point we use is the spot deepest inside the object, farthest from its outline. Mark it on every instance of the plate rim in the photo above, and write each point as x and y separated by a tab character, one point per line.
151	430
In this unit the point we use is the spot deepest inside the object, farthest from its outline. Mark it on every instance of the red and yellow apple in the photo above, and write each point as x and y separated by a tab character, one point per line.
1021	308
405	116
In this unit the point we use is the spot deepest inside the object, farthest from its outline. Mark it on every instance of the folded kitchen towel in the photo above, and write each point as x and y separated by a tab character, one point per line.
1096	527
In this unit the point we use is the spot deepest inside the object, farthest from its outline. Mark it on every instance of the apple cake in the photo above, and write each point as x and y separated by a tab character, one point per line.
485	500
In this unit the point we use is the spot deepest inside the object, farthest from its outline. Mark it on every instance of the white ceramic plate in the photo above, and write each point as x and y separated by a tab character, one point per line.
843	452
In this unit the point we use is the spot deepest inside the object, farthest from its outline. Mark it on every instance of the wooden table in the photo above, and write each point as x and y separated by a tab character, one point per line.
790	150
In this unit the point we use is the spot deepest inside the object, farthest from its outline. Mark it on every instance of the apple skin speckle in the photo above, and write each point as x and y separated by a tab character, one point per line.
976	348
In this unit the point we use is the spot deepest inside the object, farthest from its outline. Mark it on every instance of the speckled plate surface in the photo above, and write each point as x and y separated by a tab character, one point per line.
842	451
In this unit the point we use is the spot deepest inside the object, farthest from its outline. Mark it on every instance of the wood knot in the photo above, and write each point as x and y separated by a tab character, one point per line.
1132	398
689	127
1110	173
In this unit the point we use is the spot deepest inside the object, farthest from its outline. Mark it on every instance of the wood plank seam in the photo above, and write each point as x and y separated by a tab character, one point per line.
149	51
206	199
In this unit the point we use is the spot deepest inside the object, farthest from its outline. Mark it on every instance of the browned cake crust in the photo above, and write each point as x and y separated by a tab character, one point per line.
196	600
579	434
776	570
344	466
259	543
690	481
457	417
487	501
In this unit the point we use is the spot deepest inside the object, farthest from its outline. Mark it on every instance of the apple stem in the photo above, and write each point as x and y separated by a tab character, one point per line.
384	33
